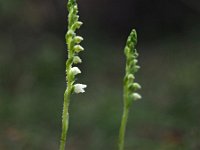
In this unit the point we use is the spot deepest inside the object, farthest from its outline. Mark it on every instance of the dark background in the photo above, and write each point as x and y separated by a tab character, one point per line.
32	69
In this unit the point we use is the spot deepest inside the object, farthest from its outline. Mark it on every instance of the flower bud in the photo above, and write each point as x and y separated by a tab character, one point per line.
76	7
69	34
77	16
136	96
126	50
77	60
131	76
129	41
136	68
78	39
77	25
78	48
137	86
135	61
136	54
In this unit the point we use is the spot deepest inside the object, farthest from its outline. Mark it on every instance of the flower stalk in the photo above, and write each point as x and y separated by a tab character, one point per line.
73	45
130	86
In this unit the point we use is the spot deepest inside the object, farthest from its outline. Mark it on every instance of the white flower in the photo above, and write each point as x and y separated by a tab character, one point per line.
75	70
79	88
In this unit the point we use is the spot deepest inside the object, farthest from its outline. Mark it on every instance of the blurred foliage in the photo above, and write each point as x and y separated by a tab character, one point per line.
32	82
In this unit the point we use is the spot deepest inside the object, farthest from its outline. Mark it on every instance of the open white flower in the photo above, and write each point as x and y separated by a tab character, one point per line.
79	88
75	70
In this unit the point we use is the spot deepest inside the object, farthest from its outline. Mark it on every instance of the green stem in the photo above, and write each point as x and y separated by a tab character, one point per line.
123	127
67	94
65	120
124	119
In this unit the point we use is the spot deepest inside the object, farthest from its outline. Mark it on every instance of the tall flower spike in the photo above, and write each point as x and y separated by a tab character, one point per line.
73	45
130	86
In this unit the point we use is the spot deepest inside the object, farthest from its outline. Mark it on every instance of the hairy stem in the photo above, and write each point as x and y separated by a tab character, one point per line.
123	128
124	119
65	120
65	115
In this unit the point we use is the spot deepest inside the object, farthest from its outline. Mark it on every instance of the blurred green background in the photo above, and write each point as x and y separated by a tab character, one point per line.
32	69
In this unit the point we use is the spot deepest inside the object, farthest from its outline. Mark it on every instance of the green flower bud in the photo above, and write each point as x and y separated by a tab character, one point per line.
75	7
135	61
77	60
76	17
134	36
78	48
129	41
75	71
76	25
136	68
137	86
131	77
126	50
136	54
78	39
133	87
69	34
